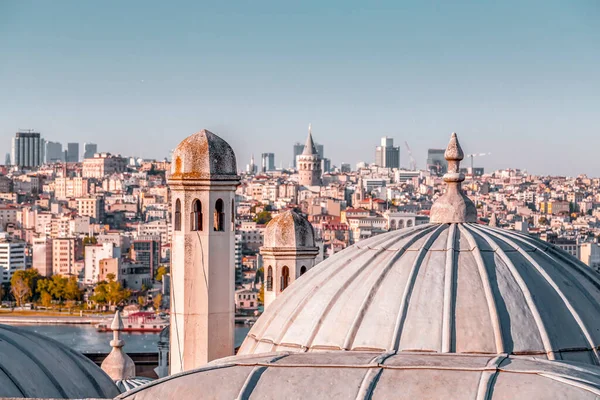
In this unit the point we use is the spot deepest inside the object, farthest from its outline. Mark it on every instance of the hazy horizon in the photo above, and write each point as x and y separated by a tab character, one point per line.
518	80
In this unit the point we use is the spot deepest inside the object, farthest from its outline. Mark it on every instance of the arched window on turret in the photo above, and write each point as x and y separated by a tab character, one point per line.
232	215
219	216
392	225
196	216
409	223
177	221
285	278
302	270
269	279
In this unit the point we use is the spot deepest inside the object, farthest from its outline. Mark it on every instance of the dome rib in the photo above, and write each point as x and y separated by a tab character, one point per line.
366	303
524	290
560	293
489	294
36	361
317	326
449	290
489	376
410	284
310	278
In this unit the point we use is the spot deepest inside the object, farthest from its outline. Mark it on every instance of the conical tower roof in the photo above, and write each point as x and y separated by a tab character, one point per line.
309	146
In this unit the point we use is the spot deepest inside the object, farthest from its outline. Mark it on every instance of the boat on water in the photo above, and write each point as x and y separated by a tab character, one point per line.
140	321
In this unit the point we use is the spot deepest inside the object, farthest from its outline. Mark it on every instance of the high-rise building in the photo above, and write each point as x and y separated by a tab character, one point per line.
54	152
436	163
7	159
267	162
72	152
89	149
299	149
28	149
387	155
146	252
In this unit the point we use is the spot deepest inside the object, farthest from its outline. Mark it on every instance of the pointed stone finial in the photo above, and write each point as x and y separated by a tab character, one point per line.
118	365
453	206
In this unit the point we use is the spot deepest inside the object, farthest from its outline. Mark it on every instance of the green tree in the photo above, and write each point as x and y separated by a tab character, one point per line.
141	301
30	277
543	221
261	295
111	292
72	291
160	272
263	217
58	286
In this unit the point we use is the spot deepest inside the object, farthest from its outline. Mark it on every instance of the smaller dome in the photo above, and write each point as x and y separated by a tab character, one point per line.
289	229
32	365
203	155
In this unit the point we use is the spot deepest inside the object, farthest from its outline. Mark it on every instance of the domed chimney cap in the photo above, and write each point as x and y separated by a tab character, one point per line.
454	206
203	155
289	230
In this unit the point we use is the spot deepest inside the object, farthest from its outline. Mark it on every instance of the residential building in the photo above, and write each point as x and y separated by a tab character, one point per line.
66	188
93	254
12	257
589	254
42	255
92	207
103	164
64	251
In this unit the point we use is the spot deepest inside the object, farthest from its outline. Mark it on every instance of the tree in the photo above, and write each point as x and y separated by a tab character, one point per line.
160	272
19	289
261	294
157	302
543	221
30	277
111	292
46	299
141	301
263	217
72	291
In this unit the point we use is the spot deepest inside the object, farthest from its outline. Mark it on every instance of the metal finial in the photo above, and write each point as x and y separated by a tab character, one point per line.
453	206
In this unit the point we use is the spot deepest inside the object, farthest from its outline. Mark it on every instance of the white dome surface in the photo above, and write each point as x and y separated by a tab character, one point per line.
32	365
440	288
370	375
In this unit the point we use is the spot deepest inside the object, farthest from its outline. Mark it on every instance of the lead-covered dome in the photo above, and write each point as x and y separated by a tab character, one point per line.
32	365
368	375
289	230
203	155
447	287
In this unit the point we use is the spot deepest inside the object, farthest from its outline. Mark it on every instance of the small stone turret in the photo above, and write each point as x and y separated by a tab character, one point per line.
118	365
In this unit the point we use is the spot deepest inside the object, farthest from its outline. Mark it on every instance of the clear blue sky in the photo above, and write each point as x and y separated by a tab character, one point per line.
518	78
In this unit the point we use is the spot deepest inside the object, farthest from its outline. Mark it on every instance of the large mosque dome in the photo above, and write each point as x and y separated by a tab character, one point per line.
451	286
32	365
444	288
369	375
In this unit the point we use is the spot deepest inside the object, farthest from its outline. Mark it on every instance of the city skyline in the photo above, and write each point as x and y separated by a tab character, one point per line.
258	74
